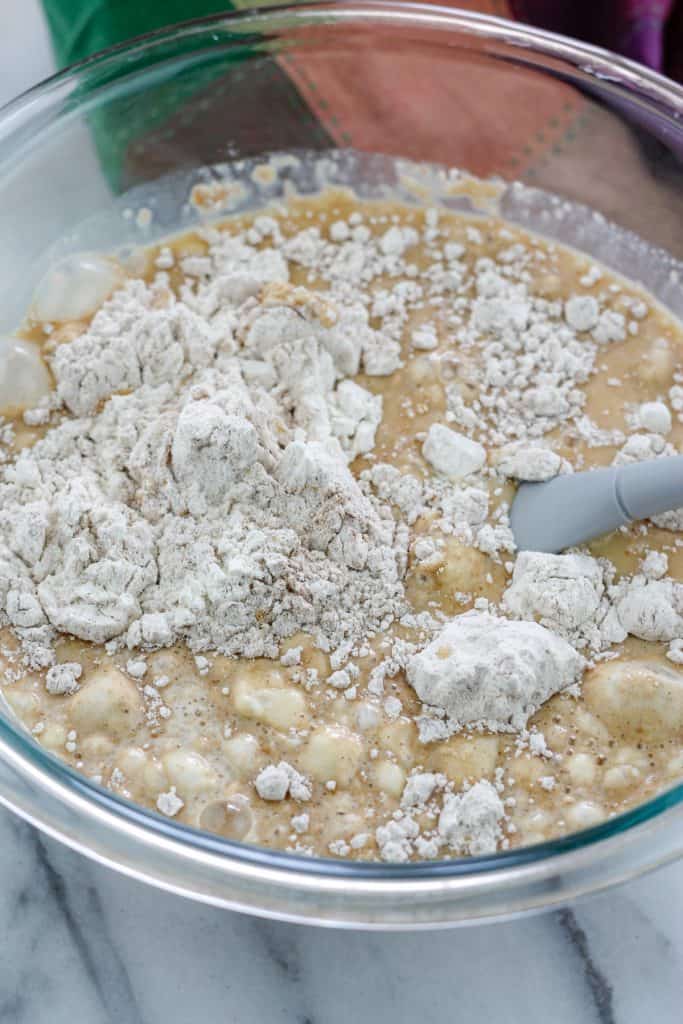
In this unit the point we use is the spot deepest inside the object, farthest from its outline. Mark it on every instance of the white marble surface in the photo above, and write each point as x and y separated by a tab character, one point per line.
80	943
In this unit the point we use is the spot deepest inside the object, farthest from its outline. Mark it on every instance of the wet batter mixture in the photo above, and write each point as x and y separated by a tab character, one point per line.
255	566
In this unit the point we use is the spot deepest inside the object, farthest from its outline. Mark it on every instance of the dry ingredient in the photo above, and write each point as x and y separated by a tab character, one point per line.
487	672
254	548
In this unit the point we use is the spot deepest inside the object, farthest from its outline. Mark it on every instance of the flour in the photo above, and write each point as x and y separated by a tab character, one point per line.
581	312
567	594
419	788
675	652
170	803
451	453
654	416
403	490
611	327
470	822
654	565
425	338
300	823
538	745
63	678
276	781
291	657
524	462
643	446
340	679
651	609
355	415
140	336
463	512
530	361
672	520
483	670
197	484
201	507
396	839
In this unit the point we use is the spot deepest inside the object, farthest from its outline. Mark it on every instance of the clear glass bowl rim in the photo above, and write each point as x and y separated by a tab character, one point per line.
507	869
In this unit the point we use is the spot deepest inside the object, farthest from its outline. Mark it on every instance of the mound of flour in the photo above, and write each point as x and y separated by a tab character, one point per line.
200	491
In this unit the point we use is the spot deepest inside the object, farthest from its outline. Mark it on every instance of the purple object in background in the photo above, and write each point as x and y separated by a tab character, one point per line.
647	31
643	30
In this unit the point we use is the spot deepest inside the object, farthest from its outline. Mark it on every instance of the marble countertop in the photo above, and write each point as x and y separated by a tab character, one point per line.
81	943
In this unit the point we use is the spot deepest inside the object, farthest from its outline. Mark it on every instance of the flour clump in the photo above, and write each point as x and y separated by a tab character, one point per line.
484	670
470	822
63	678
532	463
651	609
276	781
565	593
451	453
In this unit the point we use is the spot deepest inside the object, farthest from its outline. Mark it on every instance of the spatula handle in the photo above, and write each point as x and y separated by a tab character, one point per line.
575	508
650	488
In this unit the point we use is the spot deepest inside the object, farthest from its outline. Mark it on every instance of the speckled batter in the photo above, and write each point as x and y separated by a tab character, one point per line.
188	735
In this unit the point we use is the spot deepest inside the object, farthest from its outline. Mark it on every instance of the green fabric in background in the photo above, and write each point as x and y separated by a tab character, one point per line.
80	28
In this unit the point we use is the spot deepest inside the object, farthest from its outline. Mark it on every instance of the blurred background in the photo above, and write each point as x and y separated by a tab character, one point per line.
647	30
25	51
574	140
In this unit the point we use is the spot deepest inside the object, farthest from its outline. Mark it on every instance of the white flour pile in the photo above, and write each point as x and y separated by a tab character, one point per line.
211	503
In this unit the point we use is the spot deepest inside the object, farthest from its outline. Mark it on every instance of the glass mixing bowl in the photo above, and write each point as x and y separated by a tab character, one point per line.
102	156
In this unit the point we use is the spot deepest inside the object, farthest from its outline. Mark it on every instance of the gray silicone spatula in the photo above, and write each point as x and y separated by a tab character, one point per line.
571	509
